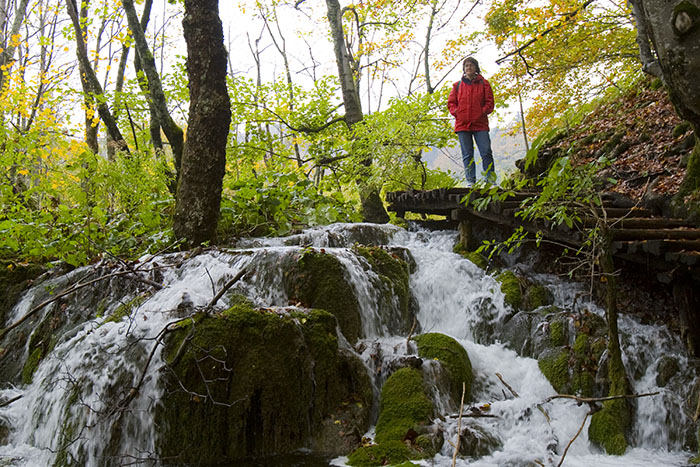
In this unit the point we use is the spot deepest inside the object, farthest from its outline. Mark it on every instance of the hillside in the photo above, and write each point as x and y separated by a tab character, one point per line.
642	134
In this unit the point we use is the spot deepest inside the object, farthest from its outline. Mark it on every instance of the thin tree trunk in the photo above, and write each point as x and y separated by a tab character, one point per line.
372	207
8	48
172	131
92	81
204	160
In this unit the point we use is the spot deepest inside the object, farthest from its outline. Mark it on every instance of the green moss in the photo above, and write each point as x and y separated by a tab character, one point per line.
555	367
31	365
388	453
478	259
510	286
557	337
583	383
454	359
403	405
681	129
318	281
580	347
536	296
607	428
694	460
251	382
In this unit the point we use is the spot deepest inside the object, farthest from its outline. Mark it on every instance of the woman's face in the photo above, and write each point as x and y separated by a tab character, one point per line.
469	69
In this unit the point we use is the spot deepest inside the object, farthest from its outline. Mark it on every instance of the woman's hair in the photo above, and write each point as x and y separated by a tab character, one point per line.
471	60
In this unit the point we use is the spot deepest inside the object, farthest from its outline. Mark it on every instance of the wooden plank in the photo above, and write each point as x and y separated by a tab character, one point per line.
656	234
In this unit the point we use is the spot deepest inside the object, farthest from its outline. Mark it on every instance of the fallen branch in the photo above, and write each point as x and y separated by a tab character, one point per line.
77	286
228	285
474	415
410	333
588	400
512	391
580	429
10	401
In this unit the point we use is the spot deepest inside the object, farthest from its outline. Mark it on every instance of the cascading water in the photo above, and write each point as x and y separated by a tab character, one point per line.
67	412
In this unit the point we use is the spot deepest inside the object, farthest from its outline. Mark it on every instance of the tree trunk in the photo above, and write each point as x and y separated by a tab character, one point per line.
204	159
93	82
172	131
673	27
7	47
372	207
610	425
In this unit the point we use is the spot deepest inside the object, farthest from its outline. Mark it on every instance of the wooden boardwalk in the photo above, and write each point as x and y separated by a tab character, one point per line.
666	246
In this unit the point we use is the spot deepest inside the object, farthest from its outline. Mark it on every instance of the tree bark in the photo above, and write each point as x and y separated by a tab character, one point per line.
372	207
673	27
204	160
172	131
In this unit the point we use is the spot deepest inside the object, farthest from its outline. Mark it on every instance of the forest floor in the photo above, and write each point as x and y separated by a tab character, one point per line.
649	147
648	143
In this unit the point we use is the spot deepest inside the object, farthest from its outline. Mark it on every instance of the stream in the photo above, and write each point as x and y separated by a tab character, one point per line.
94	358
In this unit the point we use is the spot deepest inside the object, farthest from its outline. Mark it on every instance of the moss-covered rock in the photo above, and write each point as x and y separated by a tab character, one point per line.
396	310
571	368
607	427
477	258
536	296
404	406
510	286
318	281
554	365
252	382
388	453
453	358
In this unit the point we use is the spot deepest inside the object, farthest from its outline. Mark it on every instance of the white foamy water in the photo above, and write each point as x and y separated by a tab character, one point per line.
94	367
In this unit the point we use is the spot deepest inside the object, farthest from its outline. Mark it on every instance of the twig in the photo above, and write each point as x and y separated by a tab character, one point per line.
10	401
561	461
546	415
588	400
228	285
474	415
459	425
697	411
507	385
410	333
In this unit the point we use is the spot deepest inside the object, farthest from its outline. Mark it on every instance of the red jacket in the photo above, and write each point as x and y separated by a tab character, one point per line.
471	107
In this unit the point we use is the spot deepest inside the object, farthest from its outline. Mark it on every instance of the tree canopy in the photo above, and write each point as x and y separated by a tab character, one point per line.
94	99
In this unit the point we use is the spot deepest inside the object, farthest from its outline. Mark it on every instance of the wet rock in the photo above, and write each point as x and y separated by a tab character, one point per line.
318	280
252	382
665	370
475	442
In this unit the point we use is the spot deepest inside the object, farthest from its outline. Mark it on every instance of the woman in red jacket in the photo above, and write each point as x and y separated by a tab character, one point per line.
470	102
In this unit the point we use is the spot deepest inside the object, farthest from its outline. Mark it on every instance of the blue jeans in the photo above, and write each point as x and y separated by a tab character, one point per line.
483	142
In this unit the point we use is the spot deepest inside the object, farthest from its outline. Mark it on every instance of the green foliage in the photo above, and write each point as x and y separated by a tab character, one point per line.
78	208
278	203
568	53
396	138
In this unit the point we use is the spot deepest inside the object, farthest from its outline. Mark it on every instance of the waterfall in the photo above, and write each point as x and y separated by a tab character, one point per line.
72	405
